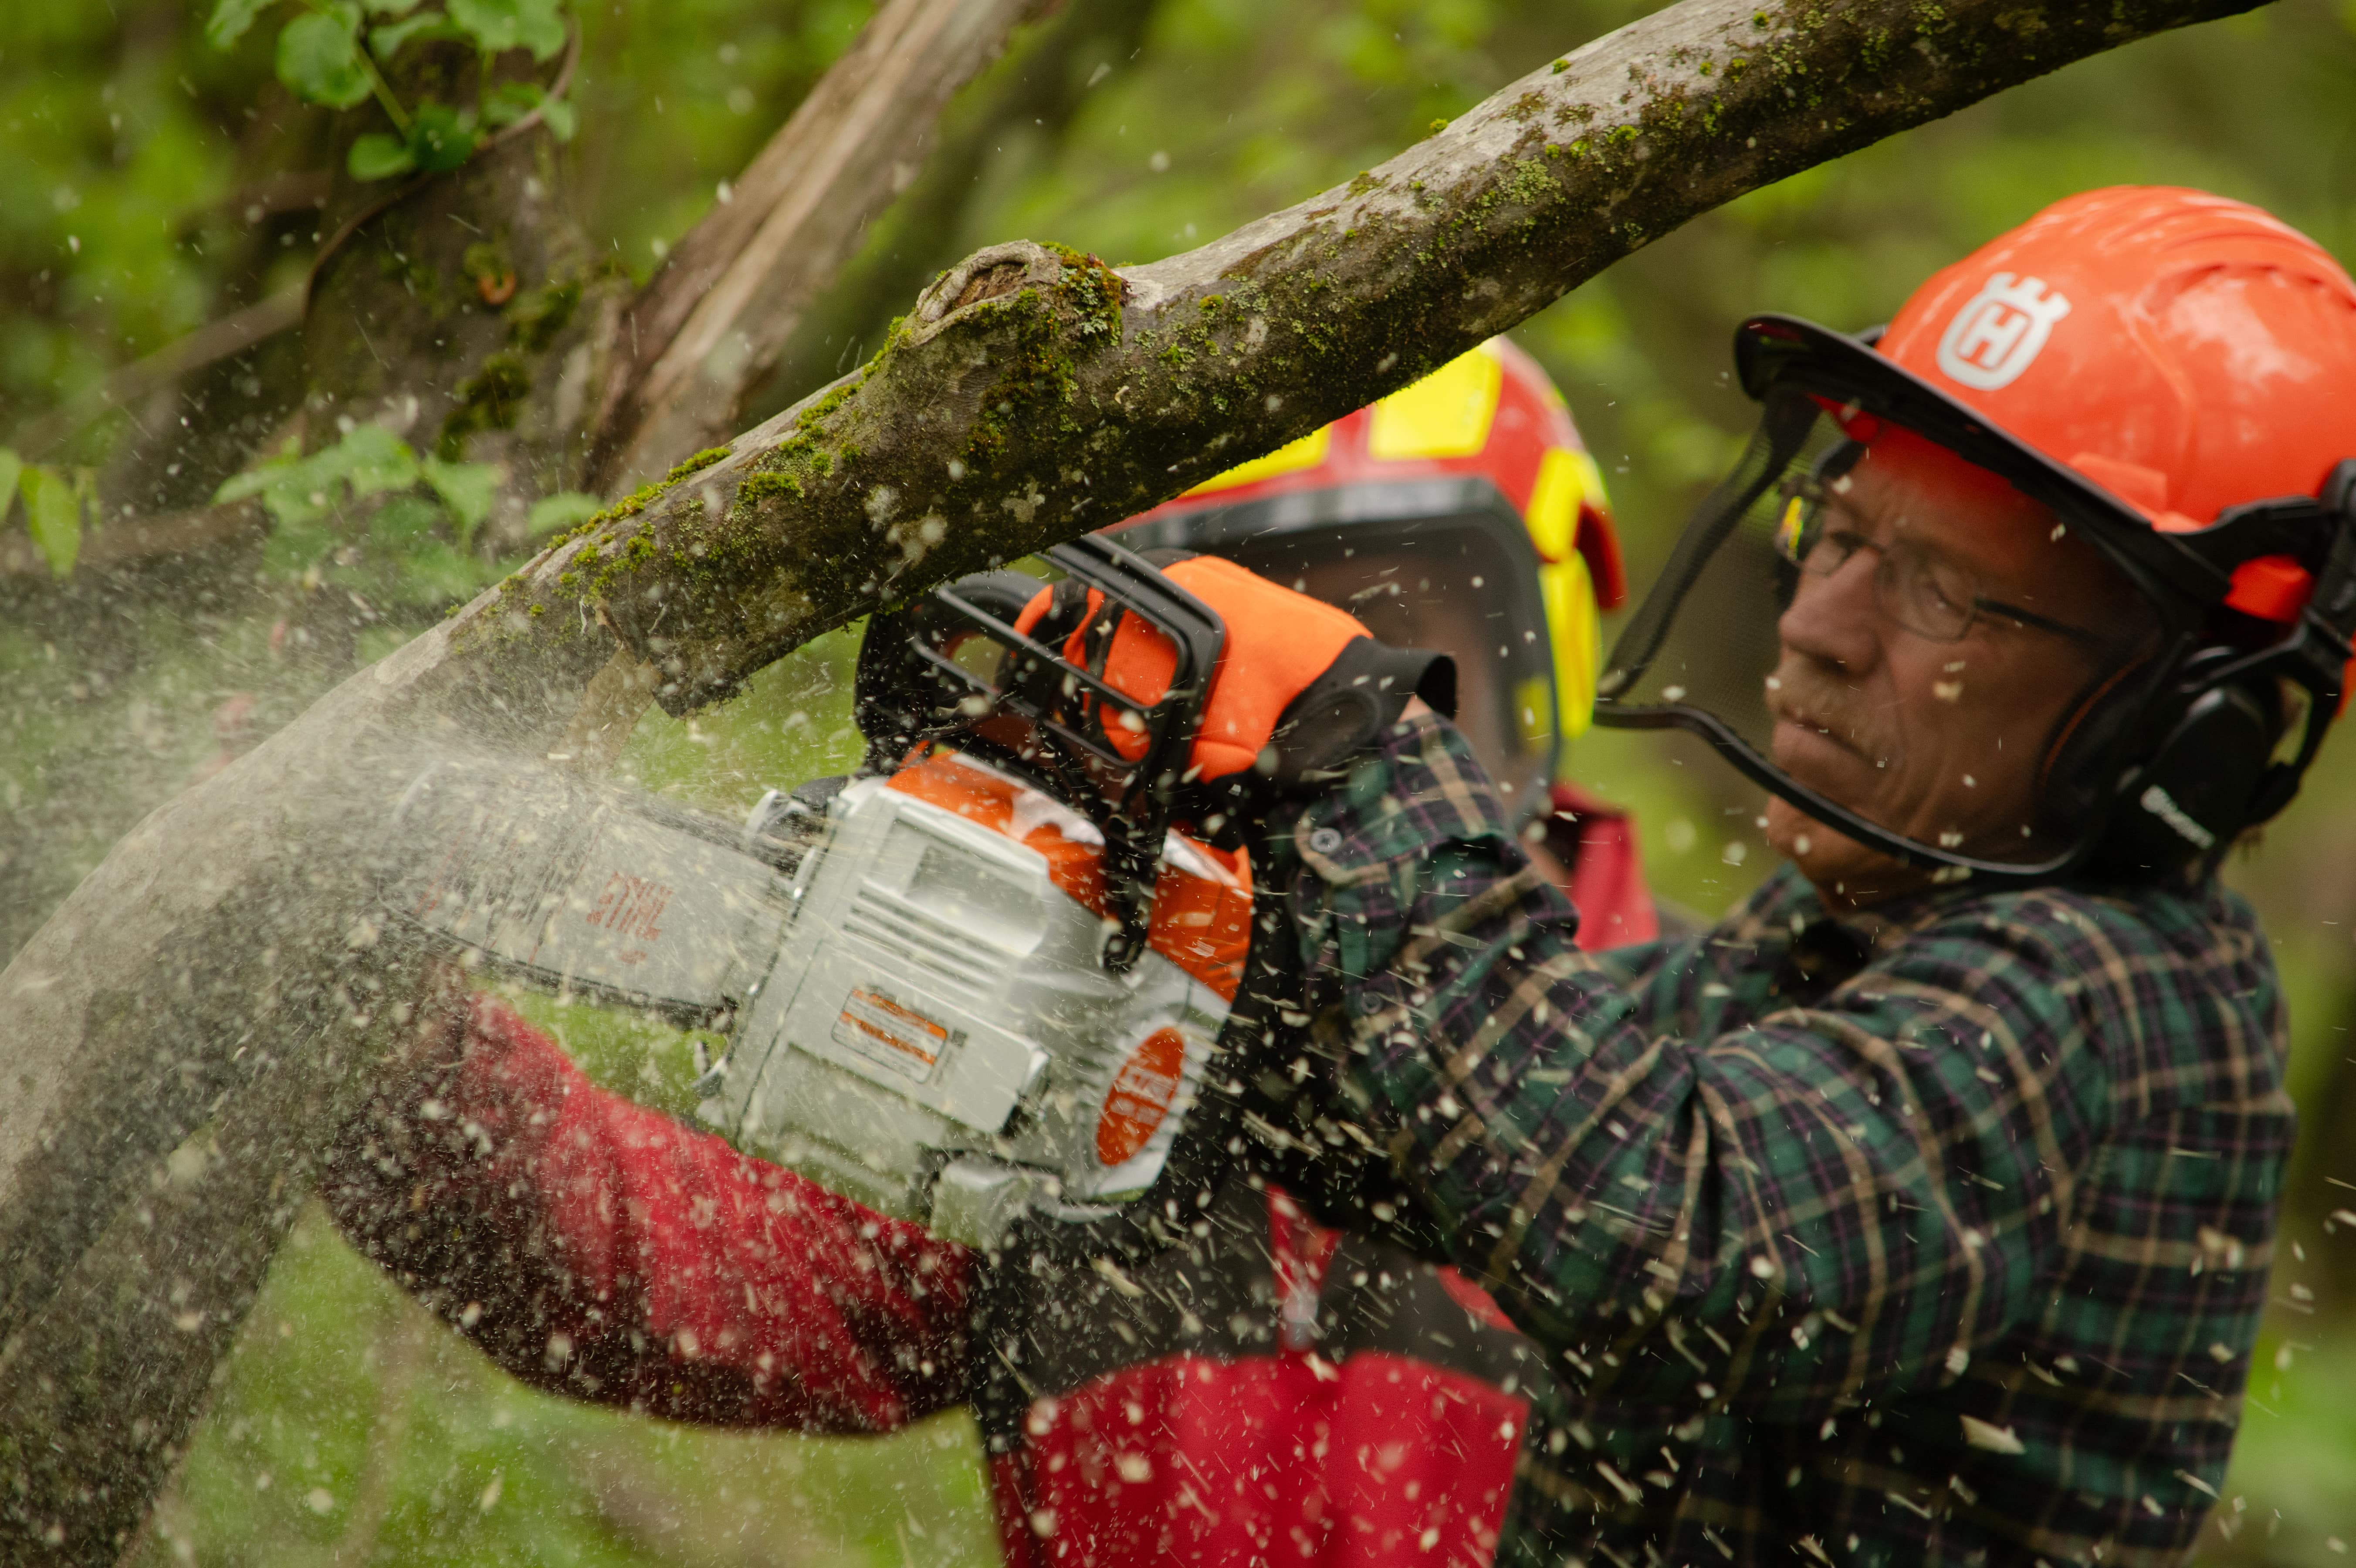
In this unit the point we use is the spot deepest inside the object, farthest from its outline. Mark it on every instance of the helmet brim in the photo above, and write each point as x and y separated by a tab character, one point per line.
2182	581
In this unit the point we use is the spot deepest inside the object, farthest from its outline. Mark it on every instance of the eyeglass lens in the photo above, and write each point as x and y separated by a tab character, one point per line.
1929	596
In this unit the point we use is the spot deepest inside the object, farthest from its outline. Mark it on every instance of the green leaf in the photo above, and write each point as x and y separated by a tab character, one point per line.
511	101
404	524
388	39
231	19
369	458
290	491
377	156
292	547
11	465
440	139
466	489
53	513
558	115
501	25
318	60
561	510
389	7
238	487
298	491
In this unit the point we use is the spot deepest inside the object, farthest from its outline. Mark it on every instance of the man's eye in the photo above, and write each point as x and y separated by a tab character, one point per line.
1947	589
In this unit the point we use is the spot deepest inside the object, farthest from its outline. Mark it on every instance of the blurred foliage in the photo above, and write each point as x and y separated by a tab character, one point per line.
154	183
353	1428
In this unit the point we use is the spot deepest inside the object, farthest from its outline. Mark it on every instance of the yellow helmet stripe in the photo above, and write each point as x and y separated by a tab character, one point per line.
1446	414
1568	479
1569	595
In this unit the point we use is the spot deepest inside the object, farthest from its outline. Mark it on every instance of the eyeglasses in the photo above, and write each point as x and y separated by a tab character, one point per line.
1926	593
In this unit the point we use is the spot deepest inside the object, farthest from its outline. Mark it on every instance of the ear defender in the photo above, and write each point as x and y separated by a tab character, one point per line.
2217	748
2176	816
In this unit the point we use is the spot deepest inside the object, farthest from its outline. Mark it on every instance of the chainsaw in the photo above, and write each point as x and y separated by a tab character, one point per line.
984	982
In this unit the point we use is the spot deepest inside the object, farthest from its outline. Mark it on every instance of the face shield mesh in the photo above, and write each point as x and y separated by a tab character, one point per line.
1702	653
1696	653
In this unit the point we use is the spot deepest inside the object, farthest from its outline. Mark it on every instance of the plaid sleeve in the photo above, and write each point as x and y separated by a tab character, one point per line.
1804	1208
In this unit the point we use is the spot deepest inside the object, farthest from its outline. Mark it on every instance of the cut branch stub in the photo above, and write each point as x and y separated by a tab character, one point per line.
984	275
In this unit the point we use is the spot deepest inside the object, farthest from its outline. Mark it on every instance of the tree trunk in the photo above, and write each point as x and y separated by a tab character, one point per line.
713	320
219	983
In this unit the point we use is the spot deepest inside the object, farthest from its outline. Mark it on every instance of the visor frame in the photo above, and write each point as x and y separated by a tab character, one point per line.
2183	576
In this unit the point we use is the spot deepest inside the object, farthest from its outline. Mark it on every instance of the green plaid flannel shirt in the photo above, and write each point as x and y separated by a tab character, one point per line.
1937	1236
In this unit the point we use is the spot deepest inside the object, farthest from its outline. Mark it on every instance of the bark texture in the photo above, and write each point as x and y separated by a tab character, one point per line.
188	1025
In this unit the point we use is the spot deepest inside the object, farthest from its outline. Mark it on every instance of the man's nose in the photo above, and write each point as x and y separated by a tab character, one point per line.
1836	619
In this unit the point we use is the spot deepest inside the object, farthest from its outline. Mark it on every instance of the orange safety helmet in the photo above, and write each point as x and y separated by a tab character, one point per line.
2174	374
1474	475
2182	352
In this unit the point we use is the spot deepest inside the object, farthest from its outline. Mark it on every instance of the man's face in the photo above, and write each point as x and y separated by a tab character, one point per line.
1939	741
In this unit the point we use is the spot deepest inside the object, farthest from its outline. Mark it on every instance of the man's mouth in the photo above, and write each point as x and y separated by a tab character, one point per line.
1793	712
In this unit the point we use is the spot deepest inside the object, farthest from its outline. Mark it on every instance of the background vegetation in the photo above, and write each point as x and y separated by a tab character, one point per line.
153	183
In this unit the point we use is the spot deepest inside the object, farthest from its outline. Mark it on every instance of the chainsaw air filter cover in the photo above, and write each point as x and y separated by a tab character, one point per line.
940	1035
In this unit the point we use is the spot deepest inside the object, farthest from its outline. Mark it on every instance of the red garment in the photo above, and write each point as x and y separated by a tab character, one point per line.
1379	1459
1598	843
598	1249
1278	1391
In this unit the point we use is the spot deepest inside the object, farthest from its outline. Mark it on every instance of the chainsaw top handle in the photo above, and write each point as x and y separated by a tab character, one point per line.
950	669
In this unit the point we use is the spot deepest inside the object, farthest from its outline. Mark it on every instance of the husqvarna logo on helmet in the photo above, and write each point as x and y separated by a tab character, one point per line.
1999	332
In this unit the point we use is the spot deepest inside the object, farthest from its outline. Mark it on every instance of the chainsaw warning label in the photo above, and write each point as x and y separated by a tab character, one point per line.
882	1030
1141	1095
628	907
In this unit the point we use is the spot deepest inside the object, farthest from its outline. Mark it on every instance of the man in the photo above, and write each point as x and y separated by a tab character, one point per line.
1921	1210
1267	1386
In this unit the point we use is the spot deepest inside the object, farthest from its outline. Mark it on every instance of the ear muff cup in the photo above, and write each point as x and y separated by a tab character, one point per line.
2180	778
2184	807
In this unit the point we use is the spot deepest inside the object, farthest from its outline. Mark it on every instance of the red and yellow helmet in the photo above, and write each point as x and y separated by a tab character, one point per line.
1462	513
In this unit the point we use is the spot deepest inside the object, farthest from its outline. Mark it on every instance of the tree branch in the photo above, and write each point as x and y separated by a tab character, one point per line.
185	1035
1016	414
713	319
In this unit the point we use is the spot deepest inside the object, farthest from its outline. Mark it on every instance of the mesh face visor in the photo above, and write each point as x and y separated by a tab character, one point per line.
1703	651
